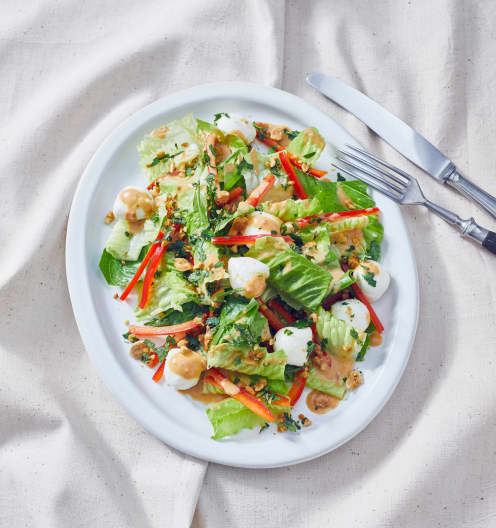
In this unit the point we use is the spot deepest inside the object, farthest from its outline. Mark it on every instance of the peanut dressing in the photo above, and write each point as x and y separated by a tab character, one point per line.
196	393
319	402
139	207
187	363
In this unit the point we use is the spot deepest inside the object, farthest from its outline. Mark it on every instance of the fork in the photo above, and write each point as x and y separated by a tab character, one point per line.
405	190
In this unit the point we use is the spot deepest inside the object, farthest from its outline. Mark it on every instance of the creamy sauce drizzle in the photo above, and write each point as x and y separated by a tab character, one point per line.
319	402
196	394
345	200
136	200
187	363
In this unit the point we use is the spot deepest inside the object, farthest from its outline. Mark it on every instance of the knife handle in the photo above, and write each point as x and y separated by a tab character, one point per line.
468	228
466	187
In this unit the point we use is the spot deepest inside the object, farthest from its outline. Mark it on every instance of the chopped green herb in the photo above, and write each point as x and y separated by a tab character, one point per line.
303	323
289	423
212	322
193	342
264	426
157	274
291	133
310	347
164	157
219	115
369	277
128	234
309	155
340	178
288	332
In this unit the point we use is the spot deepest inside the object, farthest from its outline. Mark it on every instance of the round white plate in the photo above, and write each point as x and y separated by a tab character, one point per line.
173	417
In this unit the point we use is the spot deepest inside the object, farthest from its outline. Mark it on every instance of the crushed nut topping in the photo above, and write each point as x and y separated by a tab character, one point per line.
110	217
354	380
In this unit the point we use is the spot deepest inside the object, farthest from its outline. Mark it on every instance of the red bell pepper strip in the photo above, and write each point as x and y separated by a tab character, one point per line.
253	403
210	148
280	310
336	216
314	172
261	190
298	187
373	316
150	272
147	331
293	159
159	372
137	275
234	195
361	297
152	362
296	389
271	317
243	240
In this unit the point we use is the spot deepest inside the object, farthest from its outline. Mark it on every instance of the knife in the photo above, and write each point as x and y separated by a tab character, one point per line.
400	136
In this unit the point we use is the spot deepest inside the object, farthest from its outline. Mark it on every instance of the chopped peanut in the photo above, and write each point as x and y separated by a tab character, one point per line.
354	380
110	217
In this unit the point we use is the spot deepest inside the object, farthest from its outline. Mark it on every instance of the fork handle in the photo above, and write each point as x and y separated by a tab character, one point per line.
472	191
468	228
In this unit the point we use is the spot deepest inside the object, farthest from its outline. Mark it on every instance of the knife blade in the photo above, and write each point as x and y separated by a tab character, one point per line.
400	136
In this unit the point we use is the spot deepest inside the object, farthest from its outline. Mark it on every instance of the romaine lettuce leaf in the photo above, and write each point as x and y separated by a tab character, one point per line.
307	145
229	416
241	358
338	337
335	388
169	291
170	317
124	245
289	210
118	272
180	137
373	234
329	193
301	283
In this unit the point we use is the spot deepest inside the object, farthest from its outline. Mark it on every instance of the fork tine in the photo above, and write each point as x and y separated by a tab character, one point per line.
378	174
374	166
382	162
370	182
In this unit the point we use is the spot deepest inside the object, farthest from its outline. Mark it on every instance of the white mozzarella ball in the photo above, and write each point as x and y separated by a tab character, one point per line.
353	312
121	208
172	378
293	341
260	223
372	279
248	274
236	123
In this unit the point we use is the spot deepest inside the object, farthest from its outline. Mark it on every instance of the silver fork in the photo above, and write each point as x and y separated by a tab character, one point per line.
405	190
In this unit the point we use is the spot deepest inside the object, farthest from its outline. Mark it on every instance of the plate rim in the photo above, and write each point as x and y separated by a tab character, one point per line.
75	256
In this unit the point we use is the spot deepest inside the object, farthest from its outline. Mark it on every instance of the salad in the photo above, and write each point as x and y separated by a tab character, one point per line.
251	272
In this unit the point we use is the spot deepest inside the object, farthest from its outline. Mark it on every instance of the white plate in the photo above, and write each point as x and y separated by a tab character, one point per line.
176	419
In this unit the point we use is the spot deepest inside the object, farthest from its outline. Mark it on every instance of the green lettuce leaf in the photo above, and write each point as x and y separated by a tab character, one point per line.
338	337
289	210
239	358
169	291
301	283
116	271
124	245
229	416
180	132
315	381
373	234
327	192
307	145
188	311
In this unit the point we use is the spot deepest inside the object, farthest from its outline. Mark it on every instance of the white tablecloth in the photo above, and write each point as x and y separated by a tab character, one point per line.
70	72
